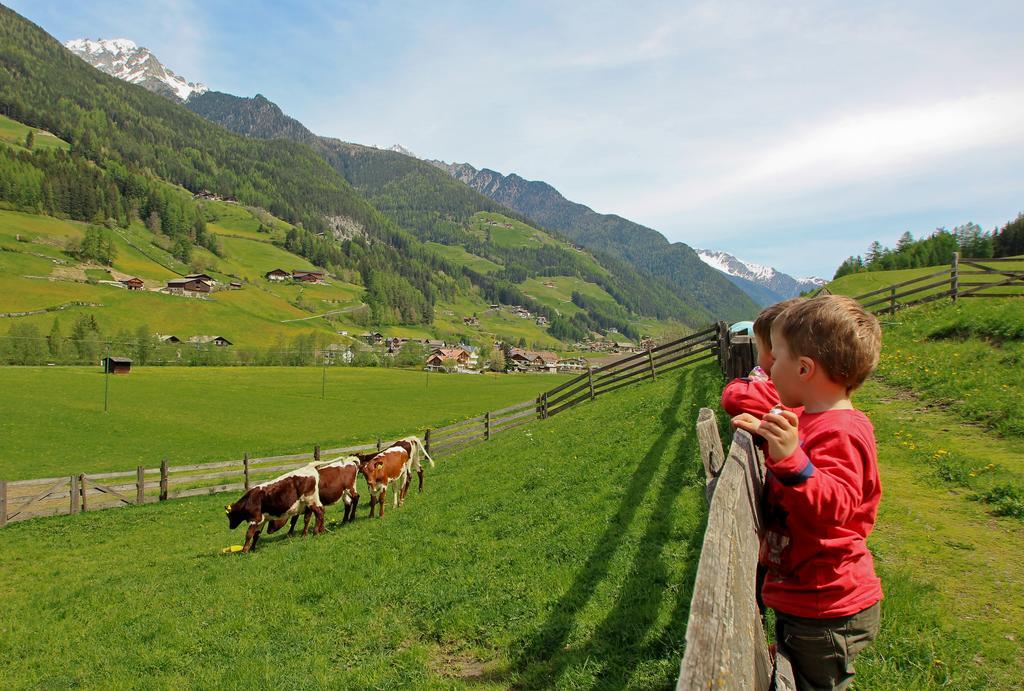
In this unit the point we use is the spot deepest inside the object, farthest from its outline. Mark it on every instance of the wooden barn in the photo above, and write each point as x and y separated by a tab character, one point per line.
276	275
117	365
133	283
191	285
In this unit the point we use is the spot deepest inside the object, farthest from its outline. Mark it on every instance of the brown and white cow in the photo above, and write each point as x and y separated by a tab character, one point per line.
337	481
281	498
393	465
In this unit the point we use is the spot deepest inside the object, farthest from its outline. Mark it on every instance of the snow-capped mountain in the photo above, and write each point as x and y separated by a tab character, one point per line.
398	148
762	283
121	58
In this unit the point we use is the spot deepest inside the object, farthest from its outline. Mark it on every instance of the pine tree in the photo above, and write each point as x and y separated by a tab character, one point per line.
55	341
30	140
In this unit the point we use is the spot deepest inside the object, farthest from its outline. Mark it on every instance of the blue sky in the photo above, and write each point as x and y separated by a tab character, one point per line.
791	134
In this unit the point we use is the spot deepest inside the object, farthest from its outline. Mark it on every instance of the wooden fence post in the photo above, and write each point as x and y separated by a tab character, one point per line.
3	503
650	359
164	480
544	406
954	277
73	484
82	486
379	445
590	380
487	426
140	485
540	410
892	300
245	469
723	347
426	440
316	453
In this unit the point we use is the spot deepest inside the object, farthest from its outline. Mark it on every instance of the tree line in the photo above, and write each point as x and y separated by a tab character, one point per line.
938	248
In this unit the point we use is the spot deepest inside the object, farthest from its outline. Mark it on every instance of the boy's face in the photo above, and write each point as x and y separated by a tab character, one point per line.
764	354
787	372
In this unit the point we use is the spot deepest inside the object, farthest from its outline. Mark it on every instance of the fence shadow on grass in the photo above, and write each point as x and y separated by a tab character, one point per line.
618	641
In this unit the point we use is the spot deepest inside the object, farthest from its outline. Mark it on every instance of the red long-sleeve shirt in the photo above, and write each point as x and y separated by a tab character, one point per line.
819	508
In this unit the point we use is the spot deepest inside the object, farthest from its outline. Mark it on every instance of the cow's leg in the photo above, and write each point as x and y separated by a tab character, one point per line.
307	514
380	502
295	519
250	542
256	537
318	511
419	471
355	503
373	502
405	488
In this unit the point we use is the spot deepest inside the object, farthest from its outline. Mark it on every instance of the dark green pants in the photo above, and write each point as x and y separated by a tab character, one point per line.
822	650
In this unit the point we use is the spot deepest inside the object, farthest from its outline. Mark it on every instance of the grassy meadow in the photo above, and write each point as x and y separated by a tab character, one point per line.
558	554
52	420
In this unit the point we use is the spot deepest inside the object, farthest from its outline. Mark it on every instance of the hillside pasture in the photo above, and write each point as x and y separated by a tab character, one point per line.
52	420
867	281
559	297
559	554
251	259
459	255
13	134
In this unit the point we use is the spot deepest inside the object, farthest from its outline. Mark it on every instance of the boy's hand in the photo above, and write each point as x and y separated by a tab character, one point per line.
778	429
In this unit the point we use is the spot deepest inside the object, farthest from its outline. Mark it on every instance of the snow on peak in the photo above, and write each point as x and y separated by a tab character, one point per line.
124	59
101	45
783	285
401	149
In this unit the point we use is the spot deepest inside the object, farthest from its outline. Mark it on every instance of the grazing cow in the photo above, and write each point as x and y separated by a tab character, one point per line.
393	464
281	498
337	481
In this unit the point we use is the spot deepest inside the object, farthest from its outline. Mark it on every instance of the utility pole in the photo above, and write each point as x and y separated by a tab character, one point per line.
106	378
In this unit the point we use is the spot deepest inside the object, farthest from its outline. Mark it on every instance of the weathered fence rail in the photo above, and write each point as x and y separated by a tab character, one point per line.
726	646
1000	282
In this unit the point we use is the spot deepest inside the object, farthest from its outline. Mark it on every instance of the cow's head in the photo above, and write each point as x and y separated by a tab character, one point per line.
240	511
372	471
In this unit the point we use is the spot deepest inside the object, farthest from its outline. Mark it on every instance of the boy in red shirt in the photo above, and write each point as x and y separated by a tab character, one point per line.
755	393
822	489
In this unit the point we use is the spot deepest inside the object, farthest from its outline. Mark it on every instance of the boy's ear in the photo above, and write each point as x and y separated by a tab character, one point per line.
807	368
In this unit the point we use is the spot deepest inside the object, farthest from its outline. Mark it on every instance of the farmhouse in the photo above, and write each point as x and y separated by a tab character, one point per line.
374	338
116	365
132	283
215	340
308	276
573	364
168	338
471	321
438	359
204	277
276	275
189	285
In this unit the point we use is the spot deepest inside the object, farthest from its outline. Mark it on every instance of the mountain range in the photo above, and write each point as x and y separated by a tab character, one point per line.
644	274
764	284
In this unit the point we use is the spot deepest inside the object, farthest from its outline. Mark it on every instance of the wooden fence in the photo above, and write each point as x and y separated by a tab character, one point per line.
964	278
726	646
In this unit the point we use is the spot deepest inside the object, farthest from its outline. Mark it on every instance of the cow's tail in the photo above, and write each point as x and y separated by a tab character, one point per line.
422	448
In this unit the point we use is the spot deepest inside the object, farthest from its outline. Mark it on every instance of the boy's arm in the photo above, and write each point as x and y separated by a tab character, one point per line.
825	483
747	395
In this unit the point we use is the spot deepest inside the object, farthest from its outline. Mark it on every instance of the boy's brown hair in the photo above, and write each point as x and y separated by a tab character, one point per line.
767	316
837	333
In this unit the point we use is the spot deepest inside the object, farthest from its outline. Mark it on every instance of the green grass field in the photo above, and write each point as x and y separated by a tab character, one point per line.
52	420
560	554
865	282
13	134
457	253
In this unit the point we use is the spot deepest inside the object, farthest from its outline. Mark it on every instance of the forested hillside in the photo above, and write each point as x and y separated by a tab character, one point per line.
431	204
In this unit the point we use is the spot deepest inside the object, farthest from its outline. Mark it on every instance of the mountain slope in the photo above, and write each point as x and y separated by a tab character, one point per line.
675	263
437	208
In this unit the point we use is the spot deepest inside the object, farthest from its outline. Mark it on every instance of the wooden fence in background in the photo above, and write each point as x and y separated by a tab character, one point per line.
964	278
22	499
